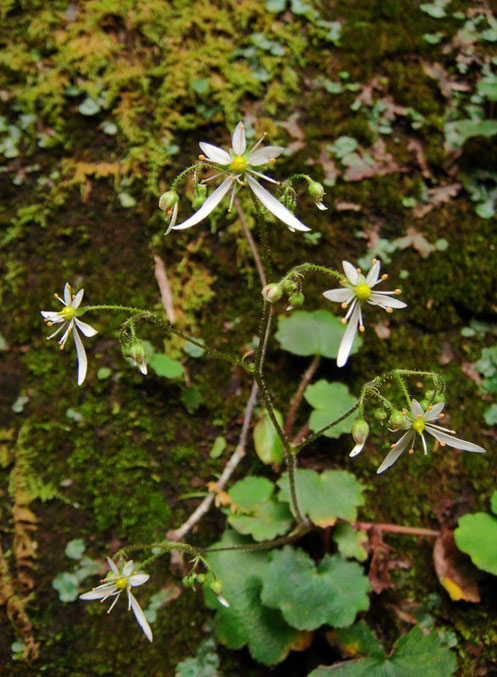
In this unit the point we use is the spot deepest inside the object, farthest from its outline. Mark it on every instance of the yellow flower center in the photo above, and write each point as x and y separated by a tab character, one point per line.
68	313
418	425
363	292
238	164
121	583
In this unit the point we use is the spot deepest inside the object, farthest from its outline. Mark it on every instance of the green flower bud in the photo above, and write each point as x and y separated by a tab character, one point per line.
430	394
290	286
425	404
380	414
439	398
199	195
200	578
396	420
296	299
186	582
316	191
136	352
360	431
272	292
168	200
217	587
289	200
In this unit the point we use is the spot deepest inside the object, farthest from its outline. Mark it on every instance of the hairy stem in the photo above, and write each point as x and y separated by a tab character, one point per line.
297	398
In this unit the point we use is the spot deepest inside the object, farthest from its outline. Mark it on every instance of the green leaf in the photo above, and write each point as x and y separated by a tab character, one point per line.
358	639
204	664
414	654
493	503
104	373
165	366
350	541
246	621
485	210
461	130
490	415
194	350
67	585
435	10
264	517
312	333
191	398
218	447
476	535
308	596
75	549
325	497
329	401
268	446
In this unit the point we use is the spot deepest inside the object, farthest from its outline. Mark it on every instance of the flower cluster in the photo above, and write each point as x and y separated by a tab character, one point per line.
121	578
68	319
358	289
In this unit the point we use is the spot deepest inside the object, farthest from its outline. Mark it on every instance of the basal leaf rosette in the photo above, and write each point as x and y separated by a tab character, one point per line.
247	622
325	497
310	595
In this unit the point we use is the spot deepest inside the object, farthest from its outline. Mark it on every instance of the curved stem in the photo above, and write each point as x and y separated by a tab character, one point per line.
297	398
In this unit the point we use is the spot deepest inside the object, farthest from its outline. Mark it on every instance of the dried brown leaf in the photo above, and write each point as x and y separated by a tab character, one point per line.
454	569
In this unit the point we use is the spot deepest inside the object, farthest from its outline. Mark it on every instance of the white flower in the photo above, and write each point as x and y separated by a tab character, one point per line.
117	580
238	165
68	317
418	422
359	290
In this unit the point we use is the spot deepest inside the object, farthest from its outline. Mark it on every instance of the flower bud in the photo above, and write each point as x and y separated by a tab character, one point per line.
425	404
217	587
396	420
430	394
272	292
296	299
168	200
200	578
289	200
360	432
316	191
380	414
136	352
290	286
199	195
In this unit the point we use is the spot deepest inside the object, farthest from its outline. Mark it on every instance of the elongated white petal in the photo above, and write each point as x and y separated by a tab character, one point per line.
348	338
416	409
174	217
350	272
383	300
140	617
128	568
339	295
113	567
209	205
401	445
82	360
215	154
275	206
321	206
76	302
138	579
107	590
264	155
52	316
142	366
222	600
238	140
357	449
453	441
85	328
373	274
67	294
432	414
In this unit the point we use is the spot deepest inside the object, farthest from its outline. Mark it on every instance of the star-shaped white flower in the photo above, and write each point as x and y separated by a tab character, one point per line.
237	165
68	319
419	422
359	290
119	579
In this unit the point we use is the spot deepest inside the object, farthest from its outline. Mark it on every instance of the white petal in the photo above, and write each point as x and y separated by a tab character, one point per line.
321	206
67	294
143	368
238	140
339	295
348	338
222	600
113	567
432	414
52	316
78	298
174	217
417	410
140	617
383	300
85	328
357	449
454	441
275	206
138	579
82	360
128	568
215	154
107	590
401	445
264	155
350	272
209	205
373	274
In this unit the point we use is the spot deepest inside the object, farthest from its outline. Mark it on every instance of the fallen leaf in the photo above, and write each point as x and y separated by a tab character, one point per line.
415	147
454	569
342	206
436	197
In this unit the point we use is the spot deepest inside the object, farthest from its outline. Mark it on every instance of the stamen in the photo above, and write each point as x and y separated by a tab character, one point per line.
430	407
258	143
362	328
392	446
411	451
359	270
419	416
443	444
343	320
384	276
452	432
272	160
373	261
398	292
201	157
441	415
389	310
49	324
232	198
